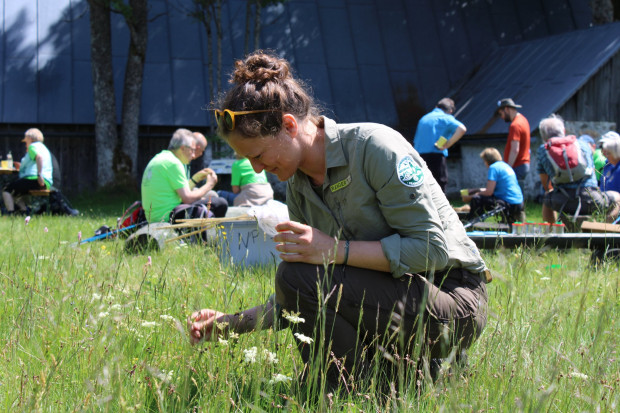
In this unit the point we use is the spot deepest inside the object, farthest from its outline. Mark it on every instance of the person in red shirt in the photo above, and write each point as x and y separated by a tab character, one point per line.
517	151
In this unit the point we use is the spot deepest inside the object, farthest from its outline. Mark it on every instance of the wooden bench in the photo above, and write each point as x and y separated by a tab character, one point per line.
40	192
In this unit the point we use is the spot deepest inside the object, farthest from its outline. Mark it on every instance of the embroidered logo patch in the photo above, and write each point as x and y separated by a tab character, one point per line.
410	173
339	185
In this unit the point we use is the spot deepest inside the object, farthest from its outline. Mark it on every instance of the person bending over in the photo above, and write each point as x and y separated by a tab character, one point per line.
371	235
580	197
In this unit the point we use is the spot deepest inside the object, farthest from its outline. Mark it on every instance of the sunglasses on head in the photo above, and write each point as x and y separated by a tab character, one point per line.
226	117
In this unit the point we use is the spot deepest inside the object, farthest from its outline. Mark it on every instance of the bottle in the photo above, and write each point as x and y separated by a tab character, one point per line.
9	159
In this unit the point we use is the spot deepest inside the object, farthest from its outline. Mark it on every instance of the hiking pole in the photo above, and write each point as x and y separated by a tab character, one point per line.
105	235
484	216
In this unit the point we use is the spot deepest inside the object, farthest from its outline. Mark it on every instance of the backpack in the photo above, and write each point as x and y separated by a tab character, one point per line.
191	211
132	219
567	160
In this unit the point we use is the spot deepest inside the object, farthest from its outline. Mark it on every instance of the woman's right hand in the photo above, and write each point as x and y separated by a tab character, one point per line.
202	323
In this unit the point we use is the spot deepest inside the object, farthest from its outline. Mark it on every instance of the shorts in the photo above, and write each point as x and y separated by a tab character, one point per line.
22	186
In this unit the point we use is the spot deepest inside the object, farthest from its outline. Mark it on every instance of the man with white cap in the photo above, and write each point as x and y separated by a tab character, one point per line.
517	151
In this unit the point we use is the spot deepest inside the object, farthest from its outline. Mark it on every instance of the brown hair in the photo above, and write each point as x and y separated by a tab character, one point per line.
264	81
446	104
491	155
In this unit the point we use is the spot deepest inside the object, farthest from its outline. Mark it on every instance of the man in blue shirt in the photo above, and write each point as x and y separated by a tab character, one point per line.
502	189
437	131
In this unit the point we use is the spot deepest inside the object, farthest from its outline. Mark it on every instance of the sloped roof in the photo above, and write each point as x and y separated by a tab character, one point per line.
541	75
384	61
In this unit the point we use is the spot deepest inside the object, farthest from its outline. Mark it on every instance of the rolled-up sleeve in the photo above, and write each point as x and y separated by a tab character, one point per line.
418	243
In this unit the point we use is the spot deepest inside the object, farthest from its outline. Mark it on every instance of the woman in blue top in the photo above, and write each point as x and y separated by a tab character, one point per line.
610	177
502	189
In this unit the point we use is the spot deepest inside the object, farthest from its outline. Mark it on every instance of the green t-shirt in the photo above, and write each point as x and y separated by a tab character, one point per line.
599	162
242	173
164	174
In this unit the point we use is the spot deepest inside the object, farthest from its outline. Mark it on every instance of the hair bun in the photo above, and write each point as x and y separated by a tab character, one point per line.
260	67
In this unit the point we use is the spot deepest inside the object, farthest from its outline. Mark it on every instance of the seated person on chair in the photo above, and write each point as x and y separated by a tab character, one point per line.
35	171
248	187
610	176
502	190
582	197
165	186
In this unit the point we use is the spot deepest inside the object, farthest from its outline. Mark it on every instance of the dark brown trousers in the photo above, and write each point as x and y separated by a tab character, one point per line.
355	314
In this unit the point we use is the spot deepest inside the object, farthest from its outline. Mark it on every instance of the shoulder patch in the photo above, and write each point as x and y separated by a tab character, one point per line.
409	172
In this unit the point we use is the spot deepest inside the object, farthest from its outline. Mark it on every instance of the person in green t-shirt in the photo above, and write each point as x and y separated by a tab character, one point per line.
597	156
248	187
165	185
35	171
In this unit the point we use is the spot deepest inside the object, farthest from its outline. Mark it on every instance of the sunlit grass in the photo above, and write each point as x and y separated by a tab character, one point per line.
94	328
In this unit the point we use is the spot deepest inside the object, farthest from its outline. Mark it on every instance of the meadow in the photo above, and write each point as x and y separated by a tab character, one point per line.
93	328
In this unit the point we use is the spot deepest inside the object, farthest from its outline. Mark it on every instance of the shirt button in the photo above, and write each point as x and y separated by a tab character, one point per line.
411	196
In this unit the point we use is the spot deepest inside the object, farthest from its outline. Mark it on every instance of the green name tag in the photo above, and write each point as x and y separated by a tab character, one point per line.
339	185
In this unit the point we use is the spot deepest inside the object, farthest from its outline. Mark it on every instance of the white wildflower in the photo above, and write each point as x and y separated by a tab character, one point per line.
578	375
222	341
115	307
103	314
545	279
294	318
95	297
303	338
250	355
270	357
150	324
166	377
233	336
279	378
135	332
166	317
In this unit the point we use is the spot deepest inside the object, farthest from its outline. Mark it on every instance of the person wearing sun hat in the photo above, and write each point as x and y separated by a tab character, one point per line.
517	150
35	172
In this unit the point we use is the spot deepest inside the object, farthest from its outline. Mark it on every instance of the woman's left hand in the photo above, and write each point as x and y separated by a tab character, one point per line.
302	243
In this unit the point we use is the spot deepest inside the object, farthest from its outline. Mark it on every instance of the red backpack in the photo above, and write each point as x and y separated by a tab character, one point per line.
567	160
133	218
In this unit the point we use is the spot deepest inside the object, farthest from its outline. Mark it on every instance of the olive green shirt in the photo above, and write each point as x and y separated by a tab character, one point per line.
377	188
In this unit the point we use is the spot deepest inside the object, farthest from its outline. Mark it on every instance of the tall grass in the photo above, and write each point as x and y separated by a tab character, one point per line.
92	328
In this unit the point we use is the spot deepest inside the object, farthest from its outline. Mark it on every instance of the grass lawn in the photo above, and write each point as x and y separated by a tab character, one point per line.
95	329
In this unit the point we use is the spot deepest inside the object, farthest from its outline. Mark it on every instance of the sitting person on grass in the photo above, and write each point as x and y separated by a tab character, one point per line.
582	197
248	187
166	191
502	190
35	171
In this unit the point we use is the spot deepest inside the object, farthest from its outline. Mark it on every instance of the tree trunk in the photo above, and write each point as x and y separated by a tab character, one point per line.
126	161
220	35
103	90
246	38
206	17
257	25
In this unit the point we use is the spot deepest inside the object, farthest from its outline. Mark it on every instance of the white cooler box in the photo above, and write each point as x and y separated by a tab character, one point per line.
244	243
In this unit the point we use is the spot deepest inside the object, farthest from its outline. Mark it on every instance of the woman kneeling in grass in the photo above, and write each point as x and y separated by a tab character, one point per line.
374	257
